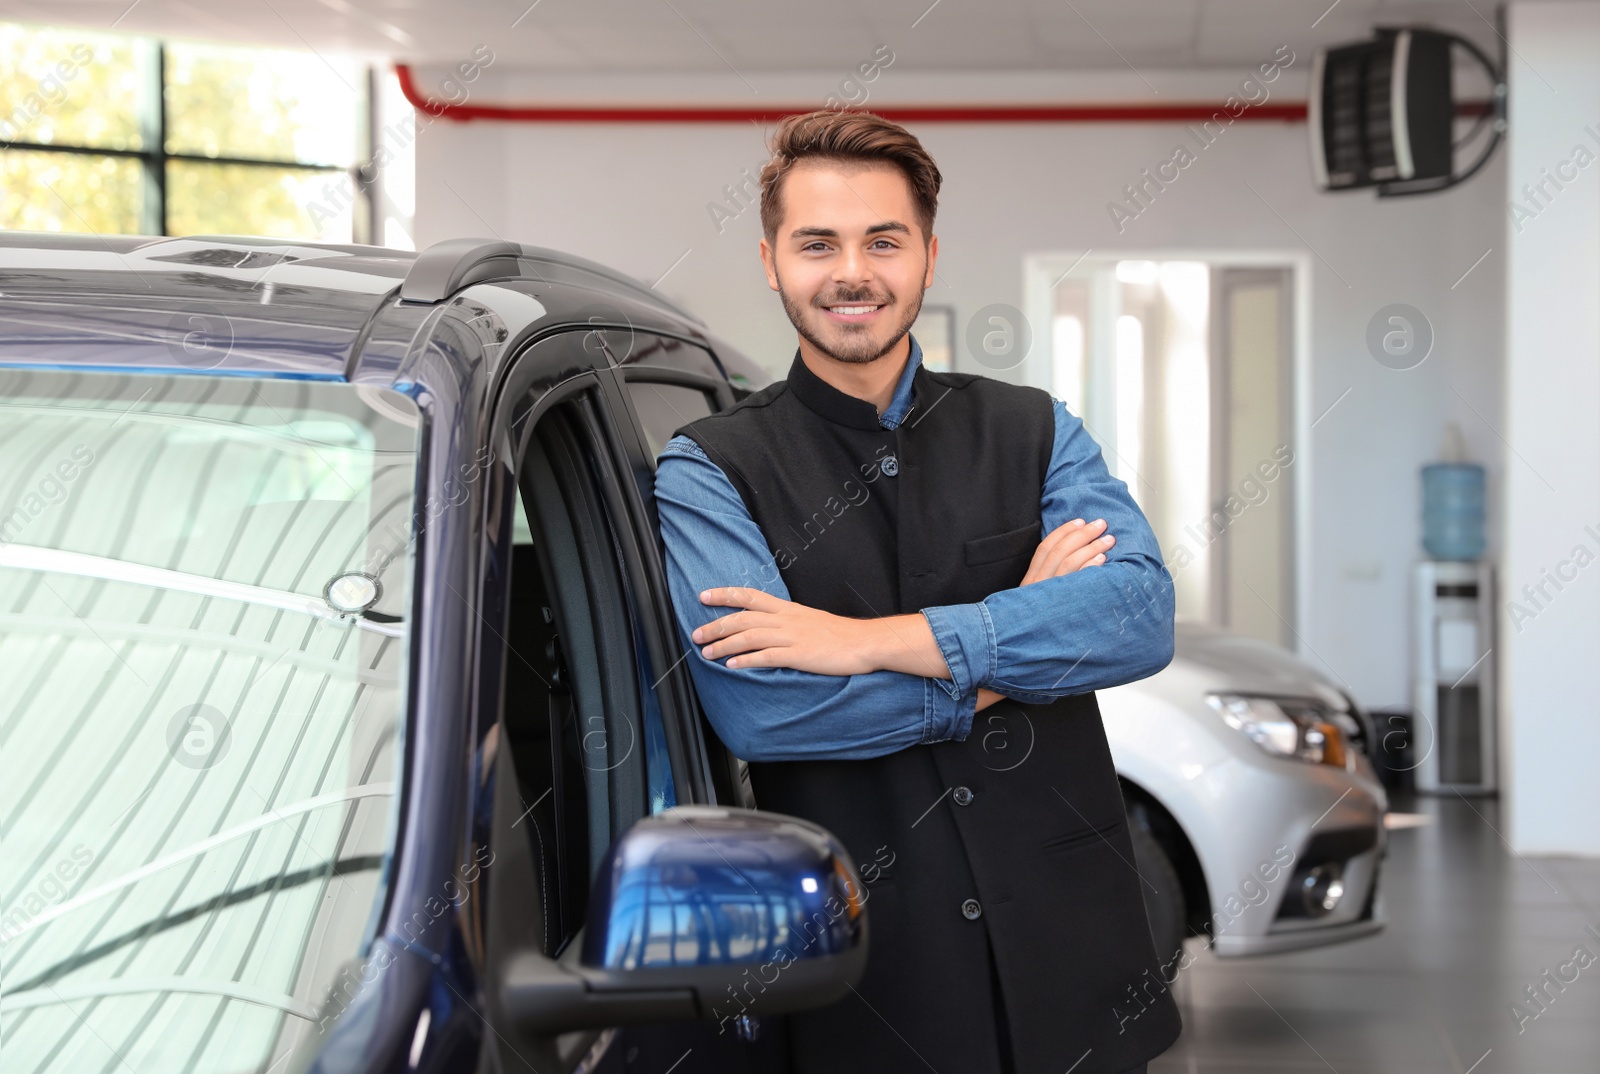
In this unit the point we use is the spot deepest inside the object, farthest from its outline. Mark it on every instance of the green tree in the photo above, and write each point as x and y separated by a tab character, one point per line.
62	87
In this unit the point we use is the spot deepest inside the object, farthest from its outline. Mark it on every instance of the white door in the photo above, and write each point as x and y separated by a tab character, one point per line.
1252	458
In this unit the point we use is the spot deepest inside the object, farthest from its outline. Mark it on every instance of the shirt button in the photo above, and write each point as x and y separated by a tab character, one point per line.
963	795
971	910
890	465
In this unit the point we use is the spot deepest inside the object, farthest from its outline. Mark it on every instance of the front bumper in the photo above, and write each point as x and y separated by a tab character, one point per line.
1278	942
1328	817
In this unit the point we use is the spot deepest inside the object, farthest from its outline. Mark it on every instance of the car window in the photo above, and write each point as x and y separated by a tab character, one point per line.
637	350
204	587
663	408
575	701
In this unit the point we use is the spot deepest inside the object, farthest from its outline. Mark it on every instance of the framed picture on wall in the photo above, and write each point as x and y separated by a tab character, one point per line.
935	330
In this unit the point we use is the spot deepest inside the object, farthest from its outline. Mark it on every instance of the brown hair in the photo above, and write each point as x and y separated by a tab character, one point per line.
847	137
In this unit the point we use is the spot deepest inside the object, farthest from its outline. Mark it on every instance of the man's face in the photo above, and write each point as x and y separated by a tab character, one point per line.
848	259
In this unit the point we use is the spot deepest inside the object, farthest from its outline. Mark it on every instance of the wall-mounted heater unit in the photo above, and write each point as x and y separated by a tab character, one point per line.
1381	113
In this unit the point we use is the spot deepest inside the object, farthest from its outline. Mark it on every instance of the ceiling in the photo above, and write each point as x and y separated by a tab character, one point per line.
742	36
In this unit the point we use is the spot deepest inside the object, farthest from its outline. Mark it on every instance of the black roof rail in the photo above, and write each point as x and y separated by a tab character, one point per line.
447	266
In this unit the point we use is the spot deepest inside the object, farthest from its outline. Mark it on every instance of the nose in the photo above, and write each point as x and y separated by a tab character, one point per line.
852	267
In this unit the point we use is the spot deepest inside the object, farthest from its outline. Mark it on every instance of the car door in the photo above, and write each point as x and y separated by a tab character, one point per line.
670	383
591	722
667	384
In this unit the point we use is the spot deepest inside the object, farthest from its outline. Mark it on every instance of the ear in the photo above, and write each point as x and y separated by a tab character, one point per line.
770	263
933	256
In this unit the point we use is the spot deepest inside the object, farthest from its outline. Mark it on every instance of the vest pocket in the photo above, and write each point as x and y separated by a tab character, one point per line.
998	546
1072	840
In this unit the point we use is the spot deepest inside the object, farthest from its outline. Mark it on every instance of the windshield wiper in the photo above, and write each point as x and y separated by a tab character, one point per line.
194	850
148	929
124	986
56	561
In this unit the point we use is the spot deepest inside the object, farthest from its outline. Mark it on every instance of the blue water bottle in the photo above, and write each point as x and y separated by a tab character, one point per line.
1453	510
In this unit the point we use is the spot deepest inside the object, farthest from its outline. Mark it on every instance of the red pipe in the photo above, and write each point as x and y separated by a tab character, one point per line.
1289	112
1292	112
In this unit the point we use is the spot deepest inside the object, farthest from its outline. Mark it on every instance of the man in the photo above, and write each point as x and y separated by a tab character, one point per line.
931	572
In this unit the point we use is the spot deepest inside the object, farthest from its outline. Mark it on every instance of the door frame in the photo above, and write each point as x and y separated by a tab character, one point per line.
545	372
1041	272
1222	443
727	780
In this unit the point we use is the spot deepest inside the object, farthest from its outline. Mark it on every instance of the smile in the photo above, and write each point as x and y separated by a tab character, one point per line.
852	313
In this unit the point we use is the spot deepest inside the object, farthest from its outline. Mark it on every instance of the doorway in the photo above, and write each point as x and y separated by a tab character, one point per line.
1184	369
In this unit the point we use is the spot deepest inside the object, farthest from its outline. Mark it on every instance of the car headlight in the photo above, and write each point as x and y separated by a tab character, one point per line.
1283	727
1358	726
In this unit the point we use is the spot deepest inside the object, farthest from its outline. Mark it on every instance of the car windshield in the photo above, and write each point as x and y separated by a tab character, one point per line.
203	604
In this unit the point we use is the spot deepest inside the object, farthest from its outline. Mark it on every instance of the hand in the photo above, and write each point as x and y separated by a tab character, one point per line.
1069	547
772	632
987	697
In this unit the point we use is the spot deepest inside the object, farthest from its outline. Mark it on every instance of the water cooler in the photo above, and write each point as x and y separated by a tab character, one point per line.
1454	729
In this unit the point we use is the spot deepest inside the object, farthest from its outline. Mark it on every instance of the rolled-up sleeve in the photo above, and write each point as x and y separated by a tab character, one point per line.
1094	628
774	714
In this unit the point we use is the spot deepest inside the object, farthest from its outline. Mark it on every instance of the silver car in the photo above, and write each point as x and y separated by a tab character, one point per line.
1258	816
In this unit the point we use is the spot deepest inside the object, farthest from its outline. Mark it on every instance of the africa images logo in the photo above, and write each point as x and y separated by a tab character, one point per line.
1140	195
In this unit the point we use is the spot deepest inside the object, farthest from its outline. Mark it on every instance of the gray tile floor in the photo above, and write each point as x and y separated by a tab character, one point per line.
1470	926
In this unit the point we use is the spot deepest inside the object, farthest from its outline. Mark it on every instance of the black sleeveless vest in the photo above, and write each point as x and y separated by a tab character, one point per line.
1006	922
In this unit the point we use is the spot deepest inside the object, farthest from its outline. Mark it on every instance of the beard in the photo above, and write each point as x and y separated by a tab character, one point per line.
850	343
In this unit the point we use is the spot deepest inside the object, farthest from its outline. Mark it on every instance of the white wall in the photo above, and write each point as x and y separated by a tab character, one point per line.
635	196
1551	641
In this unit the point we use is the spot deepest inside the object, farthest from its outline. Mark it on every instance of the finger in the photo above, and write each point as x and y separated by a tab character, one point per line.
1038	565
1071	545
771	657
1052	538
1099	546
743	642
1065	527
722	626
1069	560
739	596
1081	558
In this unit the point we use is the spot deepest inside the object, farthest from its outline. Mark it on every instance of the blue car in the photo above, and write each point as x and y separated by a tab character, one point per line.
346	725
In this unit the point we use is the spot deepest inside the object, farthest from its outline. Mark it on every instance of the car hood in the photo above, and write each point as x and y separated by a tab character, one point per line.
1234	662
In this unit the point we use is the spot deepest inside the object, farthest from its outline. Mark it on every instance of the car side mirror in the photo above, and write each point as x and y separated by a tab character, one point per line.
703	912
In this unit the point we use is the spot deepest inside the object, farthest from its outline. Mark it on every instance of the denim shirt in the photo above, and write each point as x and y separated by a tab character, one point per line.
1097	627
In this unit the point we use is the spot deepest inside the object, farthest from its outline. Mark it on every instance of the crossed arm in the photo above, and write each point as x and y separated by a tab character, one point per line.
780	681
770	631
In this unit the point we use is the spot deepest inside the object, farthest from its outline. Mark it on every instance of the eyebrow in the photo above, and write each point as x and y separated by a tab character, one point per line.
830	233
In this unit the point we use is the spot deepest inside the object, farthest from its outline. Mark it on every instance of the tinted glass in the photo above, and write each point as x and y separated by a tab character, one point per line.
645	349
664	407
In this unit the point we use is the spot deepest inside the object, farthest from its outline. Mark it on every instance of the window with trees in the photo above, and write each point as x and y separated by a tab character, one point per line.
117	134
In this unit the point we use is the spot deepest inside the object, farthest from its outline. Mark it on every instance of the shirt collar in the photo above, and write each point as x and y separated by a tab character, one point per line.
900	402
845	409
